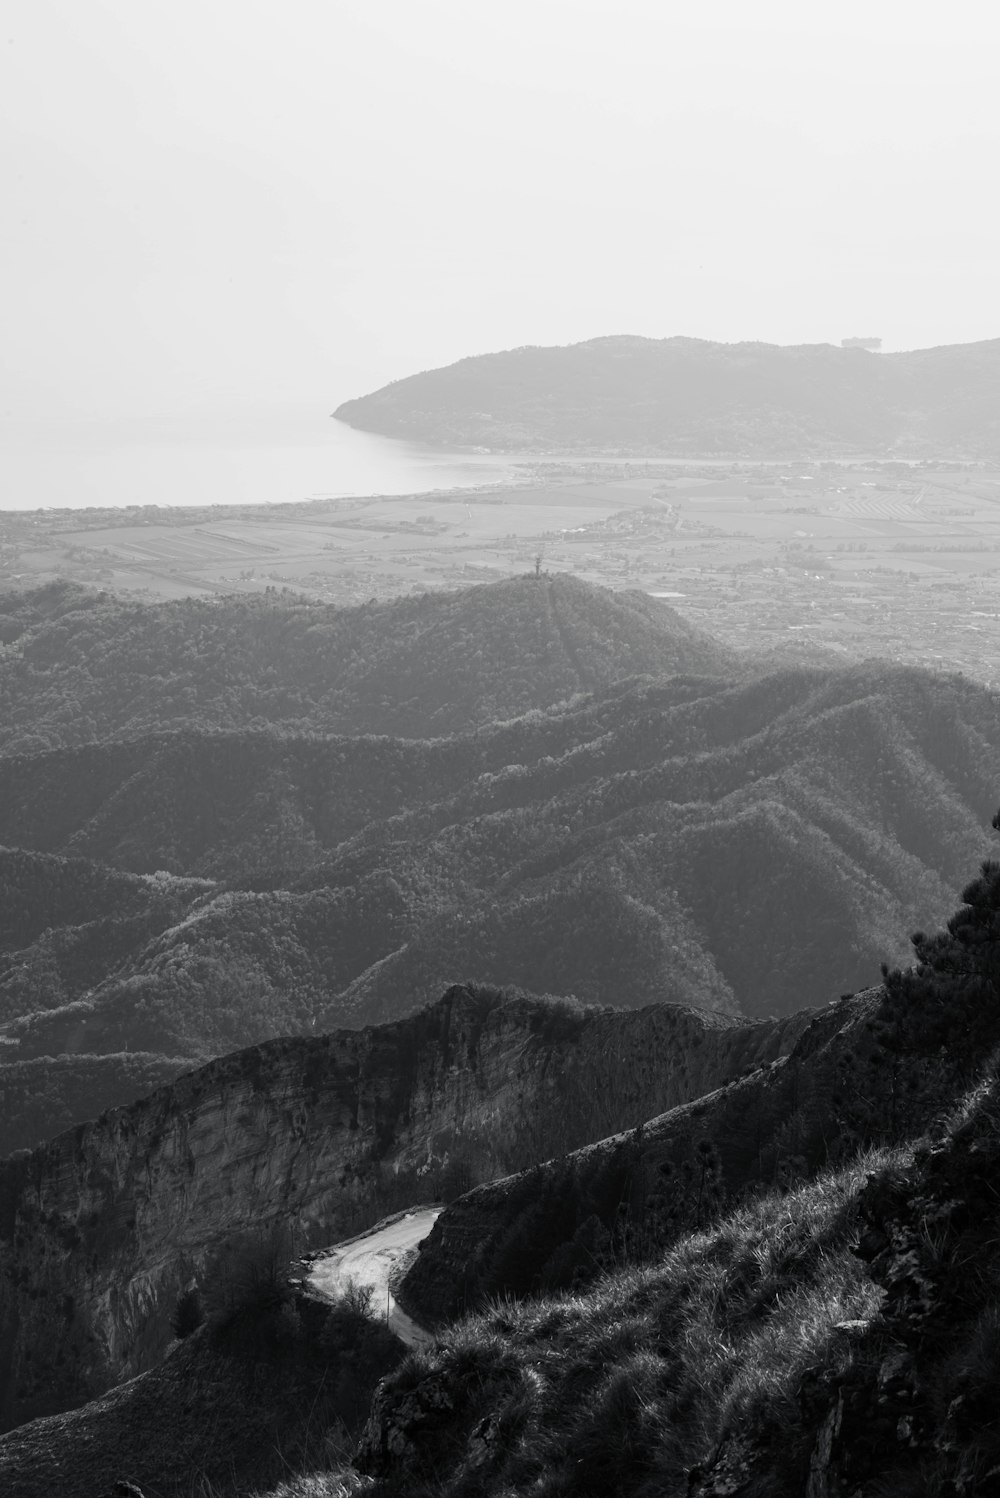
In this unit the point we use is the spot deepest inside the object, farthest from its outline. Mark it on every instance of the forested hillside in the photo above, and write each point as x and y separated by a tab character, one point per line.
701	848
744	844
691	396
744	848
77	666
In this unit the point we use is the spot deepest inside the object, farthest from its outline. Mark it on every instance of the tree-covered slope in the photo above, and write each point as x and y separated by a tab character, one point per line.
43	1096
40	893
742	848
688	395
741	845
78	667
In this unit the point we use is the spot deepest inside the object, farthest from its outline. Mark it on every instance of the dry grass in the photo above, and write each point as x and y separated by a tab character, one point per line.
625	1387
344	1483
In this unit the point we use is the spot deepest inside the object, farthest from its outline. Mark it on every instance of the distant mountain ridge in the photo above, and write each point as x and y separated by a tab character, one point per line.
690	396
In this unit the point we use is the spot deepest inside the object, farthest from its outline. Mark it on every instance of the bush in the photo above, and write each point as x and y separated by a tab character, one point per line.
189	1313
250	1306
350	1318
360	1349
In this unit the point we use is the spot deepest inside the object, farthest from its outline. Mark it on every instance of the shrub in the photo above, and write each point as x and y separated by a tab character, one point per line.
249	1304
189	1313
360	1349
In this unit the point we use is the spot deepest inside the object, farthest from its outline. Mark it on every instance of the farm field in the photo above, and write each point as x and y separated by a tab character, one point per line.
807	560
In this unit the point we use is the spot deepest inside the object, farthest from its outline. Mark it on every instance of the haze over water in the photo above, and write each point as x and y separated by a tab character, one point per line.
247	456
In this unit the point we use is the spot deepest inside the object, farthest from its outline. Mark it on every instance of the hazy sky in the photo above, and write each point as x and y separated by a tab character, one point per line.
215	201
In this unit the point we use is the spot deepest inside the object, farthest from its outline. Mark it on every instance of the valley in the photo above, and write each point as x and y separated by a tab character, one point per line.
579	950
298	819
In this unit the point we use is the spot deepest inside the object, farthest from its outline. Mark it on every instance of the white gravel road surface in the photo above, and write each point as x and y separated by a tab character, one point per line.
369	1261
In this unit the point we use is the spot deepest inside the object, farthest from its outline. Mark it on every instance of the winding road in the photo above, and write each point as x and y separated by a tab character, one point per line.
369	1261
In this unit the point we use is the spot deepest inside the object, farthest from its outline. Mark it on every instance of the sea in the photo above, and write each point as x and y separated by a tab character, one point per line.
246	456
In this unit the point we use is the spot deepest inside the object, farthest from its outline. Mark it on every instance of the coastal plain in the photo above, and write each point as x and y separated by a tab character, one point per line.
812	560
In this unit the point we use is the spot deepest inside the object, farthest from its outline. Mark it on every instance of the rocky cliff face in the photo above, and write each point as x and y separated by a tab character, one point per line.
786	1118
100	1228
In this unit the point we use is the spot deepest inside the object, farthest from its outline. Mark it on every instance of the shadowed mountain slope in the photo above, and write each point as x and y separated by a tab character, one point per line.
206	1420
65	924
688	395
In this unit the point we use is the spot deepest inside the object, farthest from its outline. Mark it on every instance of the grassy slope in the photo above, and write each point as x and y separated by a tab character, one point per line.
744	1357
102	1226
845	1334
625	1387
634	1379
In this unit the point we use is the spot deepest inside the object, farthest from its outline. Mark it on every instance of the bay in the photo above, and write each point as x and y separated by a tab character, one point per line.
249	455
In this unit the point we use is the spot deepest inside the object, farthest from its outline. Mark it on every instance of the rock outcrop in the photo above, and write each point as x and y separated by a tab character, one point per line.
778	1124
101	1228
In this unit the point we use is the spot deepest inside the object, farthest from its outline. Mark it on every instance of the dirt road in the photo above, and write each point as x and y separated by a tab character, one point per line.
369	1261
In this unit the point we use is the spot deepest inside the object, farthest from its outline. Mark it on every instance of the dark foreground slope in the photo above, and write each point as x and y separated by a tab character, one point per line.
690	396
744	1333
208	1419
758	1303
100	1228
836	1337
80	667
